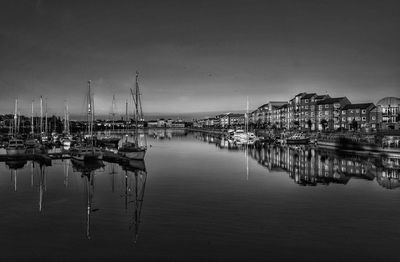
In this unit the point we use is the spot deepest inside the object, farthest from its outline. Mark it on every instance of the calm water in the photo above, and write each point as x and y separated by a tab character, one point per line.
203	199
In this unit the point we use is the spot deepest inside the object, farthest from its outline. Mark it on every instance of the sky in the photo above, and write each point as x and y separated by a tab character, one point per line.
195	56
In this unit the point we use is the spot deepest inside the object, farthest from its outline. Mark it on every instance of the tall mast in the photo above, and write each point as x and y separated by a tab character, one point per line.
126	120
137	109
113	112
89	112
15	116
32	130
41	114
45	123
65	116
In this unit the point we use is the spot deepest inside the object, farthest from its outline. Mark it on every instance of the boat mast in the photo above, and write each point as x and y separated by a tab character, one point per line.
45	123
126	120
113	113
65	116
90	115
32	129
41	114
137	109
15	116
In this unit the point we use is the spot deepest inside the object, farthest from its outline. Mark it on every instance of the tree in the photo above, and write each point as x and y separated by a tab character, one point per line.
354	125
324	124
309	124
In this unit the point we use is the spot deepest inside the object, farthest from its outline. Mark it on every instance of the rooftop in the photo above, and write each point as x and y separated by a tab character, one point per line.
358	106
331	100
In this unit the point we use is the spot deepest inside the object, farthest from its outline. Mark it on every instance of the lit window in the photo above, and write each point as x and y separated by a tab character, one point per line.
364	111
364	118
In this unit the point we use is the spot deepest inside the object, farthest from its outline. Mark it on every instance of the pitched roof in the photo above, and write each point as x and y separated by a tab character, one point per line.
308	96
322	97
357	106
331	100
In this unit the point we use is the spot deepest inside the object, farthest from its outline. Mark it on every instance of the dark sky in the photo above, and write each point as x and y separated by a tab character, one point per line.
196	56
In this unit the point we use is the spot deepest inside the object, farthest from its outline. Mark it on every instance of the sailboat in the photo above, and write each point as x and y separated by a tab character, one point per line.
110	140
16	147
133	150
66	139
87	151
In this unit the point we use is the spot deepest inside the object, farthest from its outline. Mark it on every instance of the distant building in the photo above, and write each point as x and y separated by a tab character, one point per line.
152	123
328	113
390	112
161	122
356	116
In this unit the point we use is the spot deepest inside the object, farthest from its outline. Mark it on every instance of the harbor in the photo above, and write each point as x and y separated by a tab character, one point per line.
199	130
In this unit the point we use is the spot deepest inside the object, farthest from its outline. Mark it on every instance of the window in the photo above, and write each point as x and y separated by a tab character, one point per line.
306	101
336	105
320	107
343	119
326	113
357	111
351	111
357	118
343	112
326	106
364	111
349	119
305	107
373	118
364	118
312	113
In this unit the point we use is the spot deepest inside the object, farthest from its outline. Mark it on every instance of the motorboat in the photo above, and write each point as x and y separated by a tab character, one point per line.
297	139
16	147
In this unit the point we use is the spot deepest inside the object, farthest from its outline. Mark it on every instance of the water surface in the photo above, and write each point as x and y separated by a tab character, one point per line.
203	199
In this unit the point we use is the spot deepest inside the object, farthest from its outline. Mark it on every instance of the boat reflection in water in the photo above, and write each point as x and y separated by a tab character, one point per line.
87	170
137	169
312	166
14	166
135	177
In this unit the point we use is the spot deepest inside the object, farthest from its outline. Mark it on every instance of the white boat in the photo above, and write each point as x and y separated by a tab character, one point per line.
134	150
242	137
88	152
16	147
131	151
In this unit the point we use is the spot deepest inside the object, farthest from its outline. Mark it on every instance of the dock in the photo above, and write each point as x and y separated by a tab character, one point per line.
47	157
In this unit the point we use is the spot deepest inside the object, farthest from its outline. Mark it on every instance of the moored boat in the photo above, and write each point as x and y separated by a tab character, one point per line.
297	139
16	147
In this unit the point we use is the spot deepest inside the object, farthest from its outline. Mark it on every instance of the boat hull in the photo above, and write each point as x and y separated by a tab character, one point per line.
16	151
137	155
301	141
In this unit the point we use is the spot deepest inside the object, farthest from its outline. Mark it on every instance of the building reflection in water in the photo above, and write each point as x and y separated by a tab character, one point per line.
309	166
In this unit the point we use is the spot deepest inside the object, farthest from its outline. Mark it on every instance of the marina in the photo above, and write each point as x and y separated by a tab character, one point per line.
199	130
256	195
